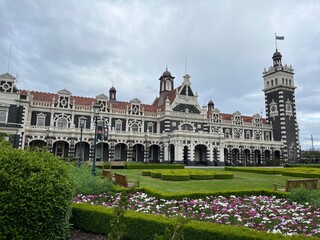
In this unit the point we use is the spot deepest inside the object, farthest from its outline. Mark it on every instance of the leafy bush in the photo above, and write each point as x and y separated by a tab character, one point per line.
302	195
86	183
36	194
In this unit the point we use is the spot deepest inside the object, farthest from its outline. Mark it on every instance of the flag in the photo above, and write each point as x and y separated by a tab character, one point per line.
279	37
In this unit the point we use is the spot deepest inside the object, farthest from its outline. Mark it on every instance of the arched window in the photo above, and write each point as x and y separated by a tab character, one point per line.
186	127
134	127
227	133
237	135
62	123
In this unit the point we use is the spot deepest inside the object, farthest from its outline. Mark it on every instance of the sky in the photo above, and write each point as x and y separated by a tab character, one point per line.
89	46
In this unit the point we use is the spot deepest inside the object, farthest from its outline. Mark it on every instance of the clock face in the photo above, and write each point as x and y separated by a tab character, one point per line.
273	109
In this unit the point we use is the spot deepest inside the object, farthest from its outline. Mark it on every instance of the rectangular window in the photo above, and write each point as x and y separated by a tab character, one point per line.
41	121
118	127
3	116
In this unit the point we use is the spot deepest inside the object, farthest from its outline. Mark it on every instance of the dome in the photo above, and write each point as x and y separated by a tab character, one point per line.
277	54
166	73
112	89
210	102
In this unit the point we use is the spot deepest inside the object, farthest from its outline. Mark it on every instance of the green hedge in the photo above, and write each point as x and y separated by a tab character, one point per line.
131	165
173	176
185	174
36	195
195	195
141	226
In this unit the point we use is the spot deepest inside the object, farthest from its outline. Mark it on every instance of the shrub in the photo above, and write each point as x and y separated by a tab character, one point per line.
302	195
86	183
155	174
146	173
174	176
36	194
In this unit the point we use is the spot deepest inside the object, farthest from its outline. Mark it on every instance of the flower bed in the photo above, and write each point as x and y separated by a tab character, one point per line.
264	213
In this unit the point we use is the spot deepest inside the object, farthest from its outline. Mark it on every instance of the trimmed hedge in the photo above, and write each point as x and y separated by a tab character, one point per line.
140	226
174	176
195	195
132	165
36	195
185	175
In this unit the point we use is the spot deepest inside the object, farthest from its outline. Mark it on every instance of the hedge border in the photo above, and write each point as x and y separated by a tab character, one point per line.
141	226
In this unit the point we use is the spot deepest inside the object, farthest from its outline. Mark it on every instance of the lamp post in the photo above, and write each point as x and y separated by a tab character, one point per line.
169	137
146	152
82	122
47	138
15	139
96	109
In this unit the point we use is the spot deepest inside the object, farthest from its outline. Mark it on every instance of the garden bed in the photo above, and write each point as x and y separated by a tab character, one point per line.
263	213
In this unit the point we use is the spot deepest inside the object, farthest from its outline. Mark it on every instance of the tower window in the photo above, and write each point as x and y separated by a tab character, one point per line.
290	82
282	80
271	83
286	81
268	84
276	82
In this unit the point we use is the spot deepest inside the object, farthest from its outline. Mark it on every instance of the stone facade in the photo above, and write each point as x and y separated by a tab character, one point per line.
174	128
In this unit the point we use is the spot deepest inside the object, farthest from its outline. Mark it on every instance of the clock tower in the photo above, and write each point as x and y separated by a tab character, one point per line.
279	90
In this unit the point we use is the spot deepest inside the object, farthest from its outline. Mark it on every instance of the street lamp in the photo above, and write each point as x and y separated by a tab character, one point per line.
169	137
146	152
15	139
47	138
96	109
82	122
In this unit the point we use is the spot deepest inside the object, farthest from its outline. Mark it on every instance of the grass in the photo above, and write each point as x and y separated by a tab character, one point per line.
241	181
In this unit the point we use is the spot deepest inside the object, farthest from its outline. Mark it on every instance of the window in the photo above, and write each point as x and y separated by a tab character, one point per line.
267	136
186	127
134	127
62	123
237	135
257	136
150	127
118	126
3	116
227	133
41	120
248	135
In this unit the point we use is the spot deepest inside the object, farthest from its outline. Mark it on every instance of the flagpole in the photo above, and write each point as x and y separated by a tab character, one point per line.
275	41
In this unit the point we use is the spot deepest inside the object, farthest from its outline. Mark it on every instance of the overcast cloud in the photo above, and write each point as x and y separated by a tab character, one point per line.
87	46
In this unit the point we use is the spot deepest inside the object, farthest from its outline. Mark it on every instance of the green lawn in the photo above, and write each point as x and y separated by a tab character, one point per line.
241	181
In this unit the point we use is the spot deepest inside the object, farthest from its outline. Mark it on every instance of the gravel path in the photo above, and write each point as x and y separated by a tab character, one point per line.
77	234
